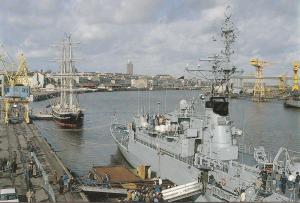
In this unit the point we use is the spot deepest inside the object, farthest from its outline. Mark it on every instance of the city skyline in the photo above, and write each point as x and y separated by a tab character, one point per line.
159	37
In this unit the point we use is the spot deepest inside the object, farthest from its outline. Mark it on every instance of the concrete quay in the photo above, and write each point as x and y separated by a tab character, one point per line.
23	143
44	95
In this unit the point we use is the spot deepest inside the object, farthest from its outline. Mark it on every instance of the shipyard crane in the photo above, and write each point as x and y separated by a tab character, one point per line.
282	83
17	95
295	87
259	86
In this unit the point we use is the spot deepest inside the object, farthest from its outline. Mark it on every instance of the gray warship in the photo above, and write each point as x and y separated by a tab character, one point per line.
200	137
292	101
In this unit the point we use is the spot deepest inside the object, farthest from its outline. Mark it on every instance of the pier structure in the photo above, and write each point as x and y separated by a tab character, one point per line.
22	144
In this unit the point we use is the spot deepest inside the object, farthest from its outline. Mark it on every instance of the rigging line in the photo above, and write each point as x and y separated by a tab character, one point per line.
199	75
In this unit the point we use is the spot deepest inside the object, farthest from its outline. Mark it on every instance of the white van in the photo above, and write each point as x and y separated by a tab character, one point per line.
8	195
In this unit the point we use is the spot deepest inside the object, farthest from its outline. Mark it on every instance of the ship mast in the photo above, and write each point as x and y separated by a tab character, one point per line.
68	101
221	65
229	36
71	72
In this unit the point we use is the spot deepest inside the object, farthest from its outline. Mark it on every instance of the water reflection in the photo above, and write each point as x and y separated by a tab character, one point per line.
118	159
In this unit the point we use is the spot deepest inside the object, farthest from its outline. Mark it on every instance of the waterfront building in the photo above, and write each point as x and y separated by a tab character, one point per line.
49	87
37	80
139	83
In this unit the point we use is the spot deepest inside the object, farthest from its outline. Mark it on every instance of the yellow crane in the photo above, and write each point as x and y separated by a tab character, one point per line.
259	86
282	83
295	86
17	97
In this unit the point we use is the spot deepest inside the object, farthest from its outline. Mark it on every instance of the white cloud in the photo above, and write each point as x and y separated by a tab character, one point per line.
158	36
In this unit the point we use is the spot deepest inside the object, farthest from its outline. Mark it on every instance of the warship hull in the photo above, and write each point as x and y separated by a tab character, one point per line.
291	103
138	153
164	165
68	120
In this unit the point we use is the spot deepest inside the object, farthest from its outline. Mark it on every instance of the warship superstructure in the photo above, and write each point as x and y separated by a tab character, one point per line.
66	111
200	137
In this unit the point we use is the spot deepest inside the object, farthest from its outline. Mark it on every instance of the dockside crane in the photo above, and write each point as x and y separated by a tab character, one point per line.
259	86
282	83
17	92
295	87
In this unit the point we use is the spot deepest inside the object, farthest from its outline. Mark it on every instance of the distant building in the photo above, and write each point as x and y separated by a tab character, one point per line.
50	87
37	80
91	85
164	77
139	83
129	68
77	79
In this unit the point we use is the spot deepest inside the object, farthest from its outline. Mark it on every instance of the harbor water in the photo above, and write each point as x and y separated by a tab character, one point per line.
264	124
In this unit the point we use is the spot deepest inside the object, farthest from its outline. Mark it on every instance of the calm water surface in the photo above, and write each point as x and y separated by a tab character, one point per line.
267	124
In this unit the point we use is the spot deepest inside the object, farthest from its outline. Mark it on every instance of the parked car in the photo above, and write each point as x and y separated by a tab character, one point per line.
8	195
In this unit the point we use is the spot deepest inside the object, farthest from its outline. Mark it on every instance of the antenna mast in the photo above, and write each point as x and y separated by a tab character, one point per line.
221	65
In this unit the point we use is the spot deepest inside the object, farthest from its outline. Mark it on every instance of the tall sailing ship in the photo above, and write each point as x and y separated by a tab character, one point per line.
66	111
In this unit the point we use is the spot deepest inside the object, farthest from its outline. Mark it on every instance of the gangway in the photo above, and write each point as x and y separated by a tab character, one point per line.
103	190
182	191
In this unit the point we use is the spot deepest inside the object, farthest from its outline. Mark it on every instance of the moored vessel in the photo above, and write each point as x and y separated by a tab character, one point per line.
292	103
66	110
199	138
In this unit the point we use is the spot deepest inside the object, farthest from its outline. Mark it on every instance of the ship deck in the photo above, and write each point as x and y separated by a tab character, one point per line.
116	173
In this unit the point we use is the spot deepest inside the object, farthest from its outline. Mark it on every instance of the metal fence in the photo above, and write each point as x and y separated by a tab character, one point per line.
45	184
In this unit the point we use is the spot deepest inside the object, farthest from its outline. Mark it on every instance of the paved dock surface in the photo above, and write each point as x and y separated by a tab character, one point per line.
17	142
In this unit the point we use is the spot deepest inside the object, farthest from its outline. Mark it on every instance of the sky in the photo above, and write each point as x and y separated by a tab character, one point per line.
158	36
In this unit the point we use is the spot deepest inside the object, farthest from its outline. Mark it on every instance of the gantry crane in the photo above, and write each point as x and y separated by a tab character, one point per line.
282	83
259	86
295	87
17	96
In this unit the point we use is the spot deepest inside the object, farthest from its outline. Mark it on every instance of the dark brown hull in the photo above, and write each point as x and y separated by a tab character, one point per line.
68	120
